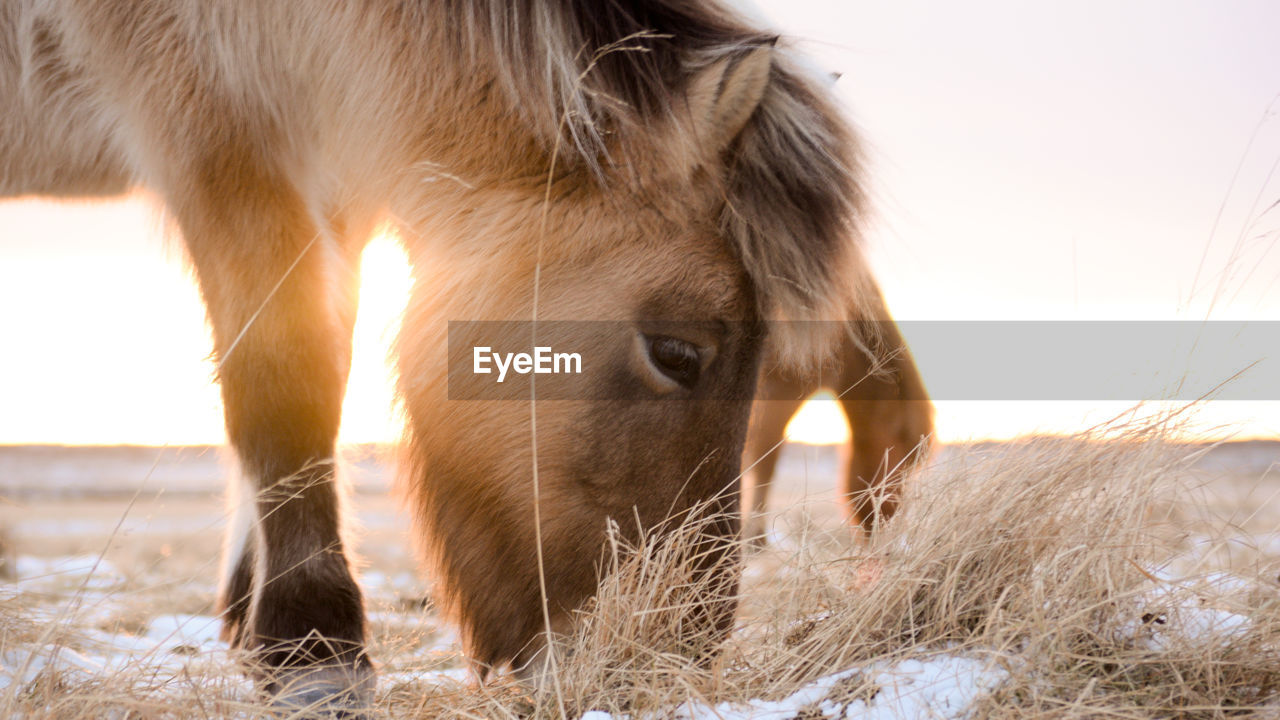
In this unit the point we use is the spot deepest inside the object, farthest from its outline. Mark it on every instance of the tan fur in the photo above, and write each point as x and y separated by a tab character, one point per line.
642	160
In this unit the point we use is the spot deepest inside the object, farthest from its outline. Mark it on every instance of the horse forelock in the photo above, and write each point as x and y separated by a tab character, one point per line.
794	204
583	70
605	83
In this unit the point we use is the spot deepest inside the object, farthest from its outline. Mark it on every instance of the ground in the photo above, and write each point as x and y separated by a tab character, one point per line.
116	553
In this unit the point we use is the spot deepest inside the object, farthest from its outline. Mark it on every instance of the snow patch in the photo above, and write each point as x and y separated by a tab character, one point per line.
1189	613
943	686
200	631
26	666
87	571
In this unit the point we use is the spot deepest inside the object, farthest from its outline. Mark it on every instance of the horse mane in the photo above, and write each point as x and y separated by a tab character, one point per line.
583	72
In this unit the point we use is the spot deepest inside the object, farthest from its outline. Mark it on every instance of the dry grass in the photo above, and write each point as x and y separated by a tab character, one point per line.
1050	560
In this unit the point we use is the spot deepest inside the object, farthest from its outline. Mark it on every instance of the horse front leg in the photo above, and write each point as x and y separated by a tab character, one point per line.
891	416
280	295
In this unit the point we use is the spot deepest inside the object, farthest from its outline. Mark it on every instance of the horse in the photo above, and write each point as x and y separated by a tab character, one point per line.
663	167
886	404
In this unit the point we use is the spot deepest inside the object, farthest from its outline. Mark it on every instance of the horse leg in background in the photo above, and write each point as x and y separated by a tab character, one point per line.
891	416
281	302
769	418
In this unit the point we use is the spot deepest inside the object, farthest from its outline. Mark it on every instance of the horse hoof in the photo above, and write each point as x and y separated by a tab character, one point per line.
323	694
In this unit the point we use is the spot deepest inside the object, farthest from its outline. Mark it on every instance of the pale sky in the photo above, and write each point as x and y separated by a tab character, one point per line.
1065	160
1028	161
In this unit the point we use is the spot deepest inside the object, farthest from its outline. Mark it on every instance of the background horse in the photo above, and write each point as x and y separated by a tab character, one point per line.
888	409
635	163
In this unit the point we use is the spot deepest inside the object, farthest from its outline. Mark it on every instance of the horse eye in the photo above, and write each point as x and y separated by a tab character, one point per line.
676	359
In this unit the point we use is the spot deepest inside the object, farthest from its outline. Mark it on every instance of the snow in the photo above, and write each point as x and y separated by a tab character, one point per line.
941	686
170	644
78	601
945	686
83	595
187	646
186	630
1172	614
1175	613
25	666
376	582
1185	626
88	571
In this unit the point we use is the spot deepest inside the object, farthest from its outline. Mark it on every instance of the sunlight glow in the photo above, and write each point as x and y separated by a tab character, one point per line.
106	340
820	421
369	413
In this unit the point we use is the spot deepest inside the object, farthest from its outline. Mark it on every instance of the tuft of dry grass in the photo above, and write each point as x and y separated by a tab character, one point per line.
1051	561
1046	558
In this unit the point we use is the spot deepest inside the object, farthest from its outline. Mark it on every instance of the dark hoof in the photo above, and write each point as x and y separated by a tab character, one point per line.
323	693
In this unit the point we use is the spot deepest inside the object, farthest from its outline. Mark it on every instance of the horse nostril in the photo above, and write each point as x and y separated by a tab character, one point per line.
675	358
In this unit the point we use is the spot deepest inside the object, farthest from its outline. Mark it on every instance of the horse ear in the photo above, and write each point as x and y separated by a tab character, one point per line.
723	95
